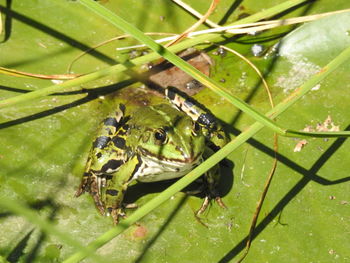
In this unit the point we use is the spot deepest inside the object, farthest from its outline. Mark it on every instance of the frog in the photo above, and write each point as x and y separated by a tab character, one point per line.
153	143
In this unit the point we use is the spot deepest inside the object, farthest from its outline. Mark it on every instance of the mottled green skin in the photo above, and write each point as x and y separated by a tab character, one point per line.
154	143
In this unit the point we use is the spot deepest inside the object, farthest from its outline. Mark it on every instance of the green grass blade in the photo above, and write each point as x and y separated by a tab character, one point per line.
301	134
213	160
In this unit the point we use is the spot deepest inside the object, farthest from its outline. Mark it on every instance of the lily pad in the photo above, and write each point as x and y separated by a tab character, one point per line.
45	142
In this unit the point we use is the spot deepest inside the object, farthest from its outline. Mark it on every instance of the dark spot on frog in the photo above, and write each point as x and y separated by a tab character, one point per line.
112	165
171	94
108	177
188	103
206	119
123	130
119	142
220	136
110	121
101	142
98	155
122	107
112	192
138	165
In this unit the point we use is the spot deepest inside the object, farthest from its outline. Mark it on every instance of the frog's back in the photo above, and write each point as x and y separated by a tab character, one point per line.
157	116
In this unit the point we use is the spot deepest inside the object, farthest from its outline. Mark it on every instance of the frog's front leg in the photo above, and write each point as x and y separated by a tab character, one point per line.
211	192
210	185
117	186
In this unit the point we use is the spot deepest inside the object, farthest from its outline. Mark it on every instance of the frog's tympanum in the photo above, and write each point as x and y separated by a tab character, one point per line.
154	143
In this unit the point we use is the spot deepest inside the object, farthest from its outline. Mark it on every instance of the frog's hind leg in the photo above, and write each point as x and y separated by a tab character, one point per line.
93	182
86	181
193	109
210	126
210	185
215	136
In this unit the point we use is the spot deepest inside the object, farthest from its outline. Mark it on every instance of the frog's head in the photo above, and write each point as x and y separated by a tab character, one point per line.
176	140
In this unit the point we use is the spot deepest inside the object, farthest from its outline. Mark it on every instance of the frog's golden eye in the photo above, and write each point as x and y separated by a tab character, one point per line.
196	128
160	136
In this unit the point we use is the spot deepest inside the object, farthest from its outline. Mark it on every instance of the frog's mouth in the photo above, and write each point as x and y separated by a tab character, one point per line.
192	159
153	168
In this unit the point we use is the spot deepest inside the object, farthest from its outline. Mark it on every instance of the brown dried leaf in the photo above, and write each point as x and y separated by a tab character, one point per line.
300	145
165	74
326	126
309	128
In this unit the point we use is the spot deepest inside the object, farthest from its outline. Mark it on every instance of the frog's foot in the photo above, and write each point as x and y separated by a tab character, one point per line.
83	187
203	207
98	202
92	185
206	203
115	213
219	201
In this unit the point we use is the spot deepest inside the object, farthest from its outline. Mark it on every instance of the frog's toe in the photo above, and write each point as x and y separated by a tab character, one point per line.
115	214
83	187
99	184
206	203
204	206
130	206
99	204
219	201
79	192
94	192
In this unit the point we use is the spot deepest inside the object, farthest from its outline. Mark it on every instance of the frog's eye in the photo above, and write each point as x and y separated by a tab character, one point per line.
196	128
160	136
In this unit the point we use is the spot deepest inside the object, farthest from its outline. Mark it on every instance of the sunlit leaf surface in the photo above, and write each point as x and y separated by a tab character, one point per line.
44	143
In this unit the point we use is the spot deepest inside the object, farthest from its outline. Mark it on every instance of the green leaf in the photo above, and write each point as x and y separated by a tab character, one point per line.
45	142
326	36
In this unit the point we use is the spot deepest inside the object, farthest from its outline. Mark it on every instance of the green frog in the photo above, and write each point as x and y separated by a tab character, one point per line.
154	143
